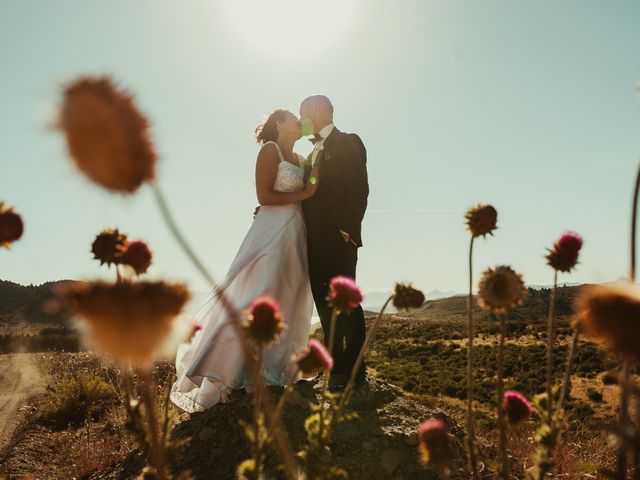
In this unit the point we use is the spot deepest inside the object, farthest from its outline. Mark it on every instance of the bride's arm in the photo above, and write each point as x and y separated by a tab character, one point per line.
266	172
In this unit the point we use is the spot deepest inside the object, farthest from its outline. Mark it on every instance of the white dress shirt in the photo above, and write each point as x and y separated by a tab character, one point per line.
319	145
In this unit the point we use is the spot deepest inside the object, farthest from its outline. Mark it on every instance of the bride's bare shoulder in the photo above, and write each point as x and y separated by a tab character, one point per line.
268	153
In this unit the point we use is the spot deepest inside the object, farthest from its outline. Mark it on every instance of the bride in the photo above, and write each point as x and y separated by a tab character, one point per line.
272	261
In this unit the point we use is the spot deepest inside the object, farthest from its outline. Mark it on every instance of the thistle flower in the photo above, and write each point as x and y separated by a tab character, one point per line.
516	405
127	321
314	358
611	315
406	297
481	220
435	447
138	256
501	289
264	320
109	246
11	226
107	136
344	294
564	254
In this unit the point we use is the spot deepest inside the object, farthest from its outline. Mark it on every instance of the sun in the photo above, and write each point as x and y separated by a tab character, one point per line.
289	28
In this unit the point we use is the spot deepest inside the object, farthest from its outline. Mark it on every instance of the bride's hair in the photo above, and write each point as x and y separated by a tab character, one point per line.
267	131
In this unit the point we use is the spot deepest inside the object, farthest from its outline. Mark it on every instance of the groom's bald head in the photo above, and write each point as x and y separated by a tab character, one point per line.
319	109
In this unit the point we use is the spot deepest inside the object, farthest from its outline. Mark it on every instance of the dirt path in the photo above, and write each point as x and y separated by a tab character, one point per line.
20	379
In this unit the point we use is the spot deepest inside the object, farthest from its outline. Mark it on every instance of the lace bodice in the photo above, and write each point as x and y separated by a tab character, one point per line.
290	178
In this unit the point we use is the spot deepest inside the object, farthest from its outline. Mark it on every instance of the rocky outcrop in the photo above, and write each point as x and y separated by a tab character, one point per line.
380	444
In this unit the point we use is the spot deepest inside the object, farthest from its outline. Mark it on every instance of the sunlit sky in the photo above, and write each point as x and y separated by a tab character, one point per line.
530	106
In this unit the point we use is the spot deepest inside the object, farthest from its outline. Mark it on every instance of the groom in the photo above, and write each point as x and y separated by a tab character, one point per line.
334	217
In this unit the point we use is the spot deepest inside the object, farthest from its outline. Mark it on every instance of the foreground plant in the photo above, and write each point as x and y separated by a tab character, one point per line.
610	314
108	138
112	247
263	326
562	257
107	135
481	221
500	291
129	322
435	445
343	296
516	406
11	226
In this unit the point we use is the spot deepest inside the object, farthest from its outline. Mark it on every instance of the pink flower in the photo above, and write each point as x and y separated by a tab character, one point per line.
344	294
264	321
516	406
435	448
314	358
570	243
564	254
138	256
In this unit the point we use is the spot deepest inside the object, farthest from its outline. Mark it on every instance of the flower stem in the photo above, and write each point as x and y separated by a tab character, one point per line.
258	419
348	391
566	383
624	392
550	340
280	439
623	419
157	447
634	221
471	444
327	373
282	400
502	439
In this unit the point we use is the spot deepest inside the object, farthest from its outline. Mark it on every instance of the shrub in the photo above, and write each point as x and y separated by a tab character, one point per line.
76	399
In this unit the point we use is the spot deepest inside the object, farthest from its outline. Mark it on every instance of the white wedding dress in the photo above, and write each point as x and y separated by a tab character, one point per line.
272	261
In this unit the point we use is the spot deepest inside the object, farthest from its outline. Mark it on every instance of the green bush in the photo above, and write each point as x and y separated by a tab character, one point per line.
73	400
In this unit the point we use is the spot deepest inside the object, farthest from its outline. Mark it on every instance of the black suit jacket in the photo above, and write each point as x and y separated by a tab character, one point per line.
341	198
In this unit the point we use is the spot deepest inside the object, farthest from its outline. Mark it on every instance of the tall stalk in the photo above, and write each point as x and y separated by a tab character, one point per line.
623	418
158	458
471	443
327	373
502	439
550	341
566	382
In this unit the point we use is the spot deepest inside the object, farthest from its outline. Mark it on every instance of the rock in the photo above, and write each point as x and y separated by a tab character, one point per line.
379	445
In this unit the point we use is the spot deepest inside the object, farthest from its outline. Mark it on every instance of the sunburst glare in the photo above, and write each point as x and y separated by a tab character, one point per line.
289	28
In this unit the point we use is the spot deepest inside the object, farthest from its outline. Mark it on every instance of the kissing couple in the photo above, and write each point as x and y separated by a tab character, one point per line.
307	230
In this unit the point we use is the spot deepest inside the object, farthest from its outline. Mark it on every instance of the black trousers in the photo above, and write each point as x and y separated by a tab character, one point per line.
329	256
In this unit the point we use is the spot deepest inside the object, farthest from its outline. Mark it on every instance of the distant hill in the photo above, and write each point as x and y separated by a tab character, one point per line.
24	303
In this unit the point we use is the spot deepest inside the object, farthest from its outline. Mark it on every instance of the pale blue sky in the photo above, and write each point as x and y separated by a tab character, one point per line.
527	105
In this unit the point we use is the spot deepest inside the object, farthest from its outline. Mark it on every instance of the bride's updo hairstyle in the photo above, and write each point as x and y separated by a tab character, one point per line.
267	131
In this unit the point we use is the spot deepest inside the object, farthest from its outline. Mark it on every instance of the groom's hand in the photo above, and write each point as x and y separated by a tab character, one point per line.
255	212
